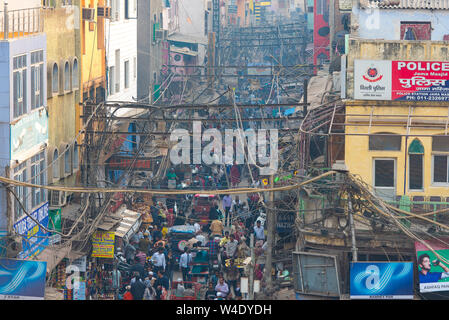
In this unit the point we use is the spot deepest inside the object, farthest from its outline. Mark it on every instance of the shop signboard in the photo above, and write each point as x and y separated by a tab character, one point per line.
22	279
79	264
260	68
285	222
103	244
54	223
34	238
381	280
79	293
401	80
433	271
29	131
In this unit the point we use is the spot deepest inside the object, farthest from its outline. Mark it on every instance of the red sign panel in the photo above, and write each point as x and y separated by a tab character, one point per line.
121	163
420	80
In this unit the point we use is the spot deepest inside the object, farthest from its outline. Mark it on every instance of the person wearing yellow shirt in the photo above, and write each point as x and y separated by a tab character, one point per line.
225	239
216	228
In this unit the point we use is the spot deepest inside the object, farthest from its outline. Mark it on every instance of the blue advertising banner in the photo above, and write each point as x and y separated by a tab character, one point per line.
381	280
22	279
35	239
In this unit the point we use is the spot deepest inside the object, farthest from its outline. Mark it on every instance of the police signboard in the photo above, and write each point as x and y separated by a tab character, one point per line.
401	80
381	280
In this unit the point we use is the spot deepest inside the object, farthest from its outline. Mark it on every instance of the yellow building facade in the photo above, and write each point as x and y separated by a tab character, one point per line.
93	64
63	79
398	147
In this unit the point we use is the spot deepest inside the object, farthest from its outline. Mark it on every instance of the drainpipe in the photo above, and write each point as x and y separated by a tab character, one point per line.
5	21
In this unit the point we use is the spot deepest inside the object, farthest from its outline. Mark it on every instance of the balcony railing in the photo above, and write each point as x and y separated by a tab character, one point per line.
20	23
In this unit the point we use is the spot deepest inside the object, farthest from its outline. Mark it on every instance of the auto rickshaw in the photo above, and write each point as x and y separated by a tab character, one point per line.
202	203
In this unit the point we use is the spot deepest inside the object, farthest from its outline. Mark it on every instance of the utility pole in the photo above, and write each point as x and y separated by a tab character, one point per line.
270	222
351	223
251	270
305	85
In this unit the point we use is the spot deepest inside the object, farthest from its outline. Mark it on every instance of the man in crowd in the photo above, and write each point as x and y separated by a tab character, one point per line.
144	244
227	204
231	247
258	231
138	288
222	288
216	228
184	263
158	259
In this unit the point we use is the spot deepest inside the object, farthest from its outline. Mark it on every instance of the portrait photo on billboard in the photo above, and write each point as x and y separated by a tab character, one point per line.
433	270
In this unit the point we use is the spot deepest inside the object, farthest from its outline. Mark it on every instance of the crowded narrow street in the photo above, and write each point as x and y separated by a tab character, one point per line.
245	151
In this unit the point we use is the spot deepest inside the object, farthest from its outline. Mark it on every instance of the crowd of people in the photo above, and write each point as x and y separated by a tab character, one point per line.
150	262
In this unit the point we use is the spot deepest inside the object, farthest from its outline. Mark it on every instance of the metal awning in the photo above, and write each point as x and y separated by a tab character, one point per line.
130	223
179	37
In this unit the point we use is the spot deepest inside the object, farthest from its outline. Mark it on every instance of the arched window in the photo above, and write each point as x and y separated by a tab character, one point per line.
75	156
75	75
55	78
66	76
67	164
415	156
55	164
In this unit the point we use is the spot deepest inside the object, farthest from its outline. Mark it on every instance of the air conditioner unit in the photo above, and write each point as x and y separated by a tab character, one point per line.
57	198
104	12
89	14
159	35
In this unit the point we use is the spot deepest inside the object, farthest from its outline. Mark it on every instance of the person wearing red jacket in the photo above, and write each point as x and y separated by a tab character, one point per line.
128	295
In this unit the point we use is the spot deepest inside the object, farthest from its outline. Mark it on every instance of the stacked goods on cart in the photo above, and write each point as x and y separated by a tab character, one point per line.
145	210
68	294
61	275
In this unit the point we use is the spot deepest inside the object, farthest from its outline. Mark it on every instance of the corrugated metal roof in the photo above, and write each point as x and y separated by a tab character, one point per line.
406	4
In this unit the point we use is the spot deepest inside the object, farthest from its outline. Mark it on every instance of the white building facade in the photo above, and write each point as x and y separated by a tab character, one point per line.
121	50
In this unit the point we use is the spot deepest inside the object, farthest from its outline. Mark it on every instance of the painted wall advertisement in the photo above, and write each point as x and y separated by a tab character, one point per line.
29	131
401	80
22	280
381	280
35	239
433	271
103	244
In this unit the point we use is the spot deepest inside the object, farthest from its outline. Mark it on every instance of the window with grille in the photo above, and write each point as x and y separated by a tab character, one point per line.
19	85
440	162
385	142
55	79
55	165
38	195
111	80
67	164
75	74
126	71
75	157
416	30
416	154
67	76
37	79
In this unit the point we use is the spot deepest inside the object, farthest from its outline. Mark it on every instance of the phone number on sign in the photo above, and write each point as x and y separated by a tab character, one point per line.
428	98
